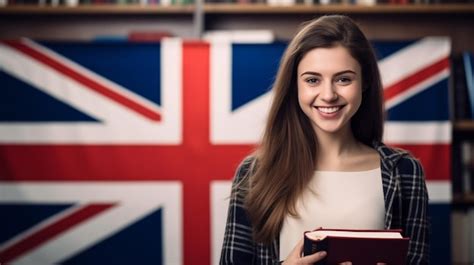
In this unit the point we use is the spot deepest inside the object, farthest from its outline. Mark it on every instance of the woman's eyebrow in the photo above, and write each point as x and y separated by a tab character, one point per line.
345	72
338	73
311	73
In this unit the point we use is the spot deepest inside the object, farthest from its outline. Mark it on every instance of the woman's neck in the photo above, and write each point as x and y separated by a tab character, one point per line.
334	149
336	143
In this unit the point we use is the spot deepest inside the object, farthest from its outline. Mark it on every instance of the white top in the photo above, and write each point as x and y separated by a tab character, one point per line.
336	199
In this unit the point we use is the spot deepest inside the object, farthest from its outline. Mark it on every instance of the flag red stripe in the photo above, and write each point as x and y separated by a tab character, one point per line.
86	81
196	137
415	78
119	163
50	231
135	163
123	163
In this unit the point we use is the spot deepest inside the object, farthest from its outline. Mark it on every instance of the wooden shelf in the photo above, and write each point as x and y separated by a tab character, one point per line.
463	131
257	9
111	9
339	8
463	200
464	126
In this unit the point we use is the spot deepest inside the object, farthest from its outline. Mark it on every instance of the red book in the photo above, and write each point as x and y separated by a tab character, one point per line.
361	247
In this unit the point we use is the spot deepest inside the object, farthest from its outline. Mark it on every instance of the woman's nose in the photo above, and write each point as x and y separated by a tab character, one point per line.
328	93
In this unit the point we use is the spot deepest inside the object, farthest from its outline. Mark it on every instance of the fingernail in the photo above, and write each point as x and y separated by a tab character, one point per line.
322	253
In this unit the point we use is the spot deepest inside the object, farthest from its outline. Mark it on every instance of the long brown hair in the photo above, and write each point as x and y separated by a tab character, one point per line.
285	159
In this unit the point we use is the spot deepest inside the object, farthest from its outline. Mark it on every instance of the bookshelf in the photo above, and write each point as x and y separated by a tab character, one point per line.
381	21
86	22
341	8
106	9
225	8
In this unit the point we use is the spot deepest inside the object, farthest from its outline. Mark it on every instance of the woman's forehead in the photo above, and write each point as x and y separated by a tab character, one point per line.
330	60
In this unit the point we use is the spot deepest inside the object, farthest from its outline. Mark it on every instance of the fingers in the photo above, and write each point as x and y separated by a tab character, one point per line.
295	256
310	259
346	263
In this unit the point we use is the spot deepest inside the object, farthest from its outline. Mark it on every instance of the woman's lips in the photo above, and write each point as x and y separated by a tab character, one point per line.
329	111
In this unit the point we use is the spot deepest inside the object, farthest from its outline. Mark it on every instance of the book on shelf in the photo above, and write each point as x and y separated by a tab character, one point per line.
71	3
461	104
467	166
357	246
75	3
463	246
181	2
240	36
468	59
281	2
366	2
398	2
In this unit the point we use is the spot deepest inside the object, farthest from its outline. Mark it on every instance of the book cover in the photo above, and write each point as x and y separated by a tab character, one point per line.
358	246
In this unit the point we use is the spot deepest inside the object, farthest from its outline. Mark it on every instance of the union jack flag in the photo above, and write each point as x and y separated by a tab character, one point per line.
122	152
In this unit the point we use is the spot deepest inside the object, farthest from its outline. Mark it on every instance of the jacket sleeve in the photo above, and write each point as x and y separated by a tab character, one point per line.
238	245
415	221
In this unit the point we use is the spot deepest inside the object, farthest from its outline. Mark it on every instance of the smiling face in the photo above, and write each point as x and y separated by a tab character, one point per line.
329	88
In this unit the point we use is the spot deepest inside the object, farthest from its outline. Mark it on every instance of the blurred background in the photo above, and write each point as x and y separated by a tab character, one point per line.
122	122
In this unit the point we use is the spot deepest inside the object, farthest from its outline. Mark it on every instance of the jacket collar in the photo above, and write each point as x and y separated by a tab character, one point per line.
389	155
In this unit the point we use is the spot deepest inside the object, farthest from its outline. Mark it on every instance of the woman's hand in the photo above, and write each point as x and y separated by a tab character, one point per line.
296	258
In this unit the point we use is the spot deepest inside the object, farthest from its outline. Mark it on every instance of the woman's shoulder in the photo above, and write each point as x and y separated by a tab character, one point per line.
389	152
404	160
247	162
244	168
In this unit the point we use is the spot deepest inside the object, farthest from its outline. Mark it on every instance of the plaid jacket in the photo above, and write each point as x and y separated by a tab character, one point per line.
406	205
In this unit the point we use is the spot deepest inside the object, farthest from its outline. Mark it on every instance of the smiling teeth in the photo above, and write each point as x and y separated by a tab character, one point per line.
328	110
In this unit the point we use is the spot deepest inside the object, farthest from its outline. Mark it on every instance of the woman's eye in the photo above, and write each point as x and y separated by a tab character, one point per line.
312	80
344	80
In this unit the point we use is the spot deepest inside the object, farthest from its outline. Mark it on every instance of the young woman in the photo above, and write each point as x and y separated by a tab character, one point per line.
321	162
